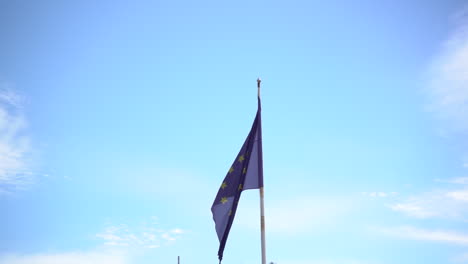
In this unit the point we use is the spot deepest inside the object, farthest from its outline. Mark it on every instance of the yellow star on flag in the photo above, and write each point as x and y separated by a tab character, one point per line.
224	185
240	187
231	170
223	200
241	158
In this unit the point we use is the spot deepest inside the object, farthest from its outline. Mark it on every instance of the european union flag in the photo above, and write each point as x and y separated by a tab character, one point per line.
245	173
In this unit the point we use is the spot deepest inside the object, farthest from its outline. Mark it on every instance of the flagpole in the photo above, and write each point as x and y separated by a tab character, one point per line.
262	207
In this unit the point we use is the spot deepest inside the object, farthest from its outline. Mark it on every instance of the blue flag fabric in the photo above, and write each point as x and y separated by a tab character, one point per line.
245	173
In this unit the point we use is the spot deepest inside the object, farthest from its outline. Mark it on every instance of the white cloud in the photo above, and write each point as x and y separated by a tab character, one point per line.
177	231
462	258
448	88
450	202
93	257
457	180
15	150
465	161
413	209
141	236
436	204
323	261
460	195
121	245
379	194
295	215
408	232
167	237
449	77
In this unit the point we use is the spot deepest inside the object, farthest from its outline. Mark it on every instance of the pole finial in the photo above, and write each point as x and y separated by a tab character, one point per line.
258	86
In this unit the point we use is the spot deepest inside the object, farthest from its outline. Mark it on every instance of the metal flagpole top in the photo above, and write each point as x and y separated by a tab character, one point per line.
258	86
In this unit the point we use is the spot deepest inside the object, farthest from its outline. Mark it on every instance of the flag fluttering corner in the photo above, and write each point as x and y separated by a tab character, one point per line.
245	173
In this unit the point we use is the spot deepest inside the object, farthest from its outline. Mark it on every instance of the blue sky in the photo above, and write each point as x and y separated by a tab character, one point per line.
119	120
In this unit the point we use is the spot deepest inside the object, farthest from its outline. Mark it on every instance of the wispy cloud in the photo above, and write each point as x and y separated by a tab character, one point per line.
296	215
15	149
449	201
448	204
325	261
379	194
141	236
413	208
91	257
462	258
459	195
449	76
457	180
121	245
448	89
443	236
